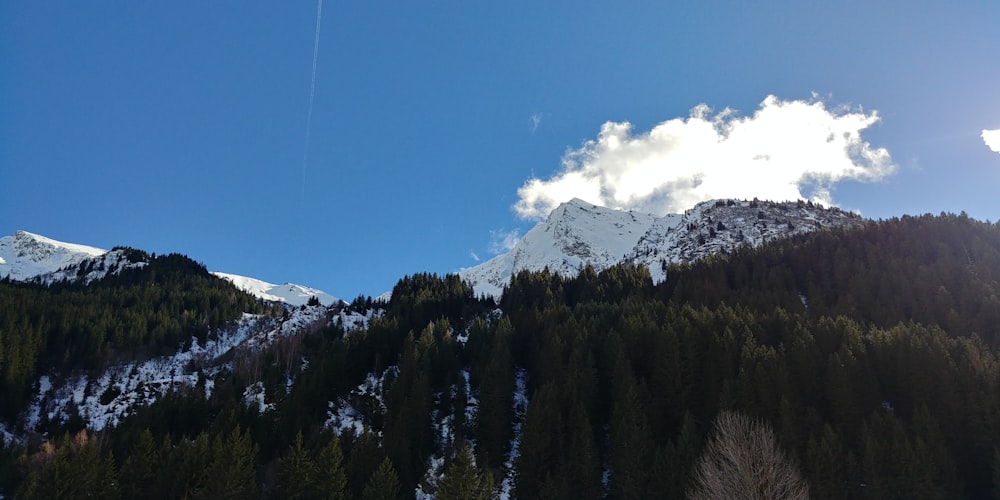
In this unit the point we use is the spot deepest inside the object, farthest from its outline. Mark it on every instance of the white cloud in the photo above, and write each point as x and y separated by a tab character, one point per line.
536	120
474	256
992	139
503	241
785	148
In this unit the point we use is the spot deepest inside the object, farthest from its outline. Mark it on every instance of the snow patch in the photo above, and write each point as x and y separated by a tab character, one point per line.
520	409
289	293
343	414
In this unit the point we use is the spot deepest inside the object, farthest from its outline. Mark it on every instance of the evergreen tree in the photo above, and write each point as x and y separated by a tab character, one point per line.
384	484
582	460
139	473
631	447
231	472
362	461
463	480
496	393
541	441
297	473
331	480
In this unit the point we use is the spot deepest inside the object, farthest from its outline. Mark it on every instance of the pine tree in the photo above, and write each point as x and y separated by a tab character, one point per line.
331	480
496	392
541	441
631	437
463	480
141	468
231	473
631	447
297	474
582	461
825	456
362	462
384	483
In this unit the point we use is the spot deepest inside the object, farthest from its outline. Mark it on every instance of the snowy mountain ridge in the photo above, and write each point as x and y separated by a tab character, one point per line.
27	256
578	233
289	293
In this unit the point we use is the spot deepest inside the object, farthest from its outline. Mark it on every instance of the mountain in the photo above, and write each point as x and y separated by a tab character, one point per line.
575	234
578	233
289	293
869	354
27	256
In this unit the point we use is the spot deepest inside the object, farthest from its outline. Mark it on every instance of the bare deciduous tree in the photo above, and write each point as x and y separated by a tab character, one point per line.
743	461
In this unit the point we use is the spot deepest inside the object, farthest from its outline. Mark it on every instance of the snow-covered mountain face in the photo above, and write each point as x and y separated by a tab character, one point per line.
289	293
26	256
578	233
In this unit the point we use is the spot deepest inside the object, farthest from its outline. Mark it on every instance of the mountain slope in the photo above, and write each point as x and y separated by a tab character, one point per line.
856	345
578	233
289	293
721	226
27	256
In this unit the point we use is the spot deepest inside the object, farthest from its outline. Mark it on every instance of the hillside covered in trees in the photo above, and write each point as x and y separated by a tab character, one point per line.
869	354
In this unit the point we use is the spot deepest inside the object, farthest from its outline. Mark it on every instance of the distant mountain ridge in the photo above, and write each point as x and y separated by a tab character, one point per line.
578	233
26	256
289	293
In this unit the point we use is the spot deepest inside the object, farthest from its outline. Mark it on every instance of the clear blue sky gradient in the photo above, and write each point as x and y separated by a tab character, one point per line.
180	126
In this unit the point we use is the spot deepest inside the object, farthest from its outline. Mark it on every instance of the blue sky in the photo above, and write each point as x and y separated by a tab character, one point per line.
181	126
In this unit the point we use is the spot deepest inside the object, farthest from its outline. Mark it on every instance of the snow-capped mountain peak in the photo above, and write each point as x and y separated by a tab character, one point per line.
25	256
578	233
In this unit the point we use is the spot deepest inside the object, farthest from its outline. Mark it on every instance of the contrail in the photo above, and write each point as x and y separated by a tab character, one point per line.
312	97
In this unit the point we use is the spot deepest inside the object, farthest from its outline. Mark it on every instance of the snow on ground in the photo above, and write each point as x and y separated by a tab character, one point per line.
254	395
343	414
6	437
352	320
300	319
26	255
106	399
520	409
92	269
577	233
289	293
472	403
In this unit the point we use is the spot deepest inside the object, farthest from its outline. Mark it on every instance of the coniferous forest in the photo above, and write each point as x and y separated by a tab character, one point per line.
862	362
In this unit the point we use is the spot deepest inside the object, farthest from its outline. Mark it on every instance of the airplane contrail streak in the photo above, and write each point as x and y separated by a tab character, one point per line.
312	97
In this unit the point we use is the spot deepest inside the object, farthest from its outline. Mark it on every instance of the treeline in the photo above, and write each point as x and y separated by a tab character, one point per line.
217	446
870	353
135	313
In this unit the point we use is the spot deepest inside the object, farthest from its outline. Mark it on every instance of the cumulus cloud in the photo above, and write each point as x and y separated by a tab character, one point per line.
786	150
503	241
992	139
